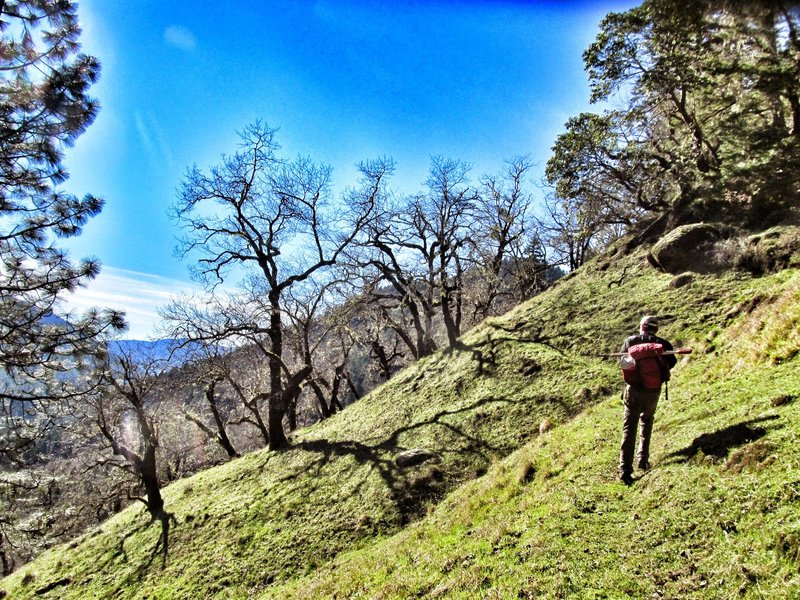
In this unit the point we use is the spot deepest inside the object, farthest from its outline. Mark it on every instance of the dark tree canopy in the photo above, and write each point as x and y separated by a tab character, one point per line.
706	118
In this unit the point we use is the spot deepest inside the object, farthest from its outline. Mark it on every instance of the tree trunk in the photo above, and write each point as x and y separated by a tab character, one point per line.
291	415
276	413
353	390
337	383
149	474
449	322
421	348
426	344
222	434
379	354
8	560
291	392
325	412
277	409
794	102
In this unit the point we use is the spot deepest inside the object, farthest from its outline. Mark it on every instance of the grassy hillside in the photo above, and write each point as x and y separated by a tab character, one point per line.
717	517
504	511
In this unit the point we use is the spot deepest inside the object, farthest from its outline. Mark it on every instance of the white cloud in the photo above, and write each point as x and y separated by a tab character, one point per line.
180	37
154	142
140	295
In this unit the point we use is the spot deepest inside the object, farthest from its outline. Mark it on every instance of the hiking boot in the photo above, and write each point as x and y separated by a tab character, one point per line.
644	466
626	478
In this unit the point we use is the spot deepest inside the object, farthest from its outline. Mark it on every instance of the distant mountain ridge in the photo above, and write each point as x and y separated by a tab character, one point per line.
175	350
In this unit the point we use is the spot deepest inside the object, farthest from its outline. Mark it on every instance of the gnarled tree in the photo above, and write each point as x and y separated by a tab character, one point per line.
273	219
126	413
412	257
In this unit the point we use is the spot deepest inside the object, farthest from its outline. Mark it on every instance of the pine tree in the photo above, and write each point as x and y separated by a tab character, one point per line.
44	107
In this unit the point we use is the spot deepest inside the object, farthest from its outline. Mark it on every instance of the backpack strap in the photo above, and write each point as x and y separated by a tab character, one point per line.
664	368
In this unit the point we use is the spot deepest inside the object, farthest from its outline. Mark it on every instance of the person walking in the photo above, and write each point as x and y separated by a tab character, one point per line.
640	402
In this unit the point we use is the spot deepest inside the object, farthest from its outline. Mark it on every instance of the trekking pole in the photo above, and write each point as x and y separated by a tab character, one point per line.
678	351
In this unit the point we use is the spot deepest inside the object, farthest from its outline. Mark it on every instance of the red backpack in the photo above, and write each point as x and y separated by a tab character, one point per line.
644	366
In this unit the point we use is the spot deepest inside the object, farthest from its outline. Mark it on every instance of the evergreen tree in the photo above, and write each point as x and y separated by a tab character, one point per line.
706	116
44	107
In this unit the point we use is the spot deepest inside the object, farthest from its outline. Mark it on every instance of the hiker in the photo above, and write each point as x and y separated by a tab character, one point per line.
640	399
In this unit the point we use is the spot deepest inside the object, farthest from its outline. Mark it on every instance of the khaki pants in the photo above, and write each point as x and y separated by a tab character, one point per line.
640	409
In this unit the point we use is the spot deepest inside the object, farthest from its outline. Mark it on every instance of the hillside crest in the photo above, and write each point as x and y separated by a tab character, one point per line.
496	507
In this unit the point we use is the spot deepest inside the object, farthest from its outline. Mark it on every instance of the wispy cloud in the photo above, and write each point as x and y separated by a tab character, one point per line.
140	295
180	37
154	142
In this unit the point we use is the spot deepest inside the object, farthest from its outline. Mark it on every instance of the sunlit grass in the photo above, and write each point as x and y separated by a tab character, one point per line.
695	526
505	511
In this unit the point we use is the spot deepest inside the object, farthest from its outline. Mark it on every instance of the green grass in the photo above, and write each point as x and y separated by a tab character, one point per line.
505	512
717	517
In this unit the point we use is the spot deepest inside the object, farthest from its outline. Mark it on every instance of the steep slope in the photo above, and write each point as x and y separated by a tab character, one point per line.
550	515
717	517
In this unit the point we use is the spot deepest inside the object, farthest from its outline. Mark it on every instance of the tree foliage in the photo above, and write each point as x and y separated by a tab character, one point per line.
705	120
44	107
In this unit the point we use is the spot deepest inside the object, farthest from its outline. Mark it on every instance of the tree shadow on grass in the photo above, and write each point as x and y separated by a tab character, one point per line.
485	351
719	443
410	492
408	496
118	552
165	519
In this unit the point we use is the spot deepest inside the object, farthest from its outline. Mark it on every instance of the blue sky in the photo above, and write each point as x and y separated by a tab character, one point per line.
343	80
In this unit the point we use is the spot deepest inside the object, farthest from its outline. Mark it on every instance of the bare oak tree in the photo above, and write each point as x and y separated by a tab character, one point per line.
504	229
412	257
273	219
126	415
